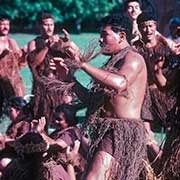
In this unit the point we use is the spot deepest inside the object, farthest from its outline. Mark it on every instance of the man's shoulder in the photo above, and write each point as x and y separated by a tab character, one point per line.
134	55
32	45
13	42
37	38
135	60
34	40
12	39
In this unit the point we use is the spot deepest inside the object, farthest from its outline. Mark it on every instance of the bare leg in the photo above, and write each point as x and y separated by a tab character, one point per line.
100	167
152	143
4	162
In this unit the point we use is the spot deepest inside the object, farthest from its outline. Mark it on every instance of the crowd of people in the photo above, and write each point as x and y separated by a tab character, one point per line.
134	92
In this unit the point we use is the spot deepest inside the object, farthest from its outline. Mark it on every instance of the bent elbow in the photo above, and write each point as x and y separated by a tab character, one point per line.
120	85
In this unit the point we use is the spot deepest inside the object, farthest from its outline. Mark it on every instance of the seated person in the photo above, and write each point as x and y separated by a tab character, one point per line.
20	115
18	111
30	162
64	136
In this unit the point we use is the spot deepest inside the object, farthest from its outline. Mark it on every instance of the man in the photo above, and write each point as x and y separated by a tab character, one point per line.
11	61
163	86
66	134
20	116
48	86
19	112
118	147
132	9
162	79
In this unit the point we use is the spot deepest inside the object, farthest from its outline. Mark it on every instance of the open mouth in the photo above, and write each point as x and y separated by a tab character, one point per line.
148	35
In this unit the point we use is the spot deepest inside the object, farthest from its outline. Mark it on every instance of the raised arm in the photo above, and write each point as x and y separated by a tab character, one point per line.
117	81
36	58
39	126
173	46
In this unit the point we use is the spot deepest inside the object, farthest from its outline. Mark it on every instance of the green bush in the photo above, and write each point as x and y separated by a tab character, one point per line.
24	12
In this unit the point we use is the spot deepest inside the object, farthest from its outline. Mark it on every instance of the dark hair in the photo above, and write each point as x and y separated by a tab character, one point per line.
30	144
4	17
146	16
118	23
17	102
31	137
44	15
173	24
128	1
69	113
175	21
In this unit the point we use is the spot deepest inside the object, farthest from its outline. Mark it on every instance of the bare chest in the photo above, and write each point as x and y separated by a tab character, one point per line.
4	45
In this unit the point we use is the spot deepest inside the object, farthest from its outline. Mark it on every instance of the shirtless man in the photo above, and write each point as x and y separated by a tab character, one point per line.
47	85
12	59
119	141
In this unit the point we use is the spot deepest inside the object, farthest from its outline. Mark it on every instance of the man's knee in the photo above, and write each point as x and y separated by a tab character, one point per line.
100	167
4	162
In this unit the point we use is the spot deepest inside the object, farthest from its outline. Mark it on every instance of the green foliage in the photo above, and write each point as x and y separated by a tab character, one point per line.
25	11
83	9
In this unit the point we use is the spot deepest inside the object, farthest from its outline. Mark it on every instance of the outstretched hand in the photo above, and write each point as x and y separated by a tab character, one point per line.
57	64
174	47
71	49
66	35
38	125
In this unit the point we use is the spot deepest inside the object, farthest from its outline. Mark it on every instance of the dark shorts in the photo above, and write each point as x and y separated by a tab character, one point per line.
124	139
127	134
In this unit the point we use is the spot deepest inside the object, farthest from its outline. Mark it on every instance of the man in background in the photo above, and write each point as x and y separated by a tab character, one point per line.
12	59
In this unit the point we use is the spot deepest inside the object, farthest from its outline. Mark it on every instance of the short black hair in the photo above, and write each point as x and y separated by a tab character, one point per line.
146	16
125	5
44	15
69	113
174	21
29	144
4	17
119	23
17	102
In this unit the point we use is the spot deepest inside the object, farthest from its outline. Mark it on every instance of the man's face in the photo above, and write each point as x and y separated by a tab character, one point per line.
61	120
4	27
109	41
133	10
47	27
13	114
148	30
